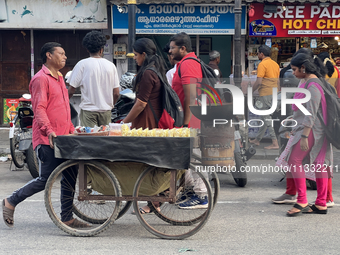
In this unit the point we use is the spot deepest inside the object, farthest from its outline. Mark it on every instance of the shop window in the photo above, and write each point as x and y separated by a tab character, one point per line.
204	45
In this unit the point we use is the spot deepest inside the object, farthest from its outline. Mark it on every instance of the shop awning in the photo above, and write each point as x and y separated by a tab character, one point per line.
117	2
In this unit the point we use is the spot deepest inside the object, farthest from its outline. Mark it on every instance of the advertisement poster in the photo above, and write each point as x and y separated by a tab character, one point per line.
310	20
197	19
55	14
10	106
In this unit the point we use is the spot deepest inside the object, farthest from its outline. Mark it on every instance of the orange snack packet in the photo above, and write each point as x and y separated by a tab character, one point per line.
115	133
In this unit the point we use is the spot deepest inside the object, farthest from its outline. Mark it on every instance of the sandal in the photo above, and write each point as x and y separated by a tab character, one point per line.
302	210
316	210
142	211
7	215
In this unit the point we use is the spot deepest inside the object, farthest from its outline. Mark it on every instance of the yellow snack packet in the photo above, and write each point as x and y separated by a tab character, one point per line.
139	132
145	132
185	132
171	132
165	132
177	132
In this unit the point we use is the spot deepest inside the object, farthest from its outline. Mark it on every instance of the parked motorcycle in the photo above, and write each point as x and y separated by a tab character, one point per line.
241	156
123	105
20	136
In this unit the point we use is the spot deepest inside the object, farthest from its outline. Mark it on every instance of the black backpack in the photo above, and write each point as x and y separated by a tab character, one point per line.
333	112
171	106
208	74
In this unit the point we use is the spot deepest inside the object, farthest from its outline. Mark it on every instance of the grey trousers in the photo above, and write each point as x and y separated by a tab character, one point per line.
266	104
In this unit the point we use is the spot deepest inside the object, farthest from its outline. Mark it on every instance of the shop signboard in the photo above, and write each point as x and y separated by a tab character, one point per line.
197	19
296	21
53	14
9	109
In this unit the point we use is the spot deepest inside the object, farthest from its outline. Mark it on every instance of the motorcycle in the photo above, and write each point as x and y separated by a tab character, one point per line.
20	136
123	105
241	156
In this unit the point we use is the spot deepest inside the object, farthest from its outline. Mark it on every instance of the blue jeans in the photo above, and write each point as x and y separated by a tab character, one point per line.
47	163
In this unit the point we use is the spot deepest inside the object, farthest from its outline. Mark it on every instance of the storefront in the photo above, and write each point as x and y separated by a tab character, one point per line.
211	27
293	26
26	25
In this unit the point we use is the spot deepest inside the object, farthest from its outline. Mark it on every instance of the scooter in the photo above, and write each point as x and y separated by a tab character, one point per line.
123	105
20	136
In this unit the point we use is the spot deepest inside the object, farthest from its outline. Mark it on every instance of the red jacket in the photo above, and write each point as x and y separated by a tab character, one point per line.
51	106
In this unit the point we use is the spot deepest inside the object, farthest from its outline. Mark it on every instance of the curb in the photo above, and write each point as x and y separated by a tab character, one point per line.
5	151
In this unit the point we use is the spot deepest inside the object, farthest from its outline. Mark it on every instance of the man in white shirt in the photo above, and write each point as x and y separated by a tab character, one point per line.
98	80
172	71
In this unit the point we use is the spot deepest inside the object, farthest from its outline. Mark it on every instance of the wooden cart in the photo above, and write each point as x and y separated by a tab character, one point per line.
111	173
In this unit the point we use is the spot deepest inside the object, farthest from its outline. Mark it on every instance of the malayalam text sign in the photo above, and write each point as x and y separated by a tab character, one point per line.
175	18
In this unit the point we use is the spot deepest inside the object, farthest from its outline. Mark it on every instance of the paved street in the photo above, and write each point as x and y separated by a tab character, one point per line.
243	222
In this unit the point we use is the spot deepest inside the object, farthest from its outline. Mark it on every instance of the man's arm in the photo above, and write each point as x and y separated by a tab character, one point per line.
257	84
39	91
189	96
115	95
71	91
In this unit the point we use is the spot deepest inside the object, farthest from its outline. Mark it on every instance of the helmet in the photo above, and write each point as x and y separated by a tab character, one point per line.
126	80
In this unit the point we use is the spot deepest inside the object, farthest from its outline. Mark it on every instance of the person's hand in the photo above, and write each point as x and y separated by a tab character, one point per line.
51	138
304	144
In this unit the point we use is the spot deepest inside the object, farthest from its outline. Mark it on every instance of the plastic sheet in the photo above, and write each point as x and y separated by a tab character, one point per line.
165	152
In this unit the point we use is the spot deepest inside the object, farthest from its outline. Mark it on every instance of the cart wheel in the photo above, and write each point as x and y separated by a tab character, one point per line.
100	213
239	177
215	187
171	222
124	208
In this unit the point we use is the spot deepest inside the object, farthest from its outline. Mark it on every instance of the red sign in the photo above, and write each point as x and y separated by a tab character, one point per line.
296	21
10	108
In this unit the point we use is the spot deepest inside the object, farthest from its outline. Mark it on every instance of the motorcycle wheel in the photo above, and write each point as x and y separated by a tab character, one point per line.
239	177
18	157
32	162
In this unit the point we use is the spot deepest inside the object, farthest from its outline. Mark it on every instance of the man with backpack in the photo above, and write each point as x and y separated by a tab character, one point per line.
180	49
190	70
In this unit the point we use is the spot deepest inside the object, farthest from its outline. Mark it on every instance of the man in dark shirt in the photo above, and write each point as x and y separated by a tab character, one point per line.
215	59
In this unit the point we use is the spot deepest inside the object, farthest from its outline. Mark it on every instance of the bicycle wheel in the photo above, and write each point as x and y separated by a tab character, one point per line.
170	222
100	213
18	157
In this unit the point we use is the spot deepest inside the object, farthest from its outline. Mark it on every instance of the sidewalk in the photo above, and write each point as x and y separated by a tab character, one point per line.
262	153
4	141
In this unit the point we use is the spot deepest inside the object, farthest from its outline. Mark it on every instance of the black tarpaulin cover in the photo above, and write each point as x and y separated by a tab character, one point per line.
165	152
